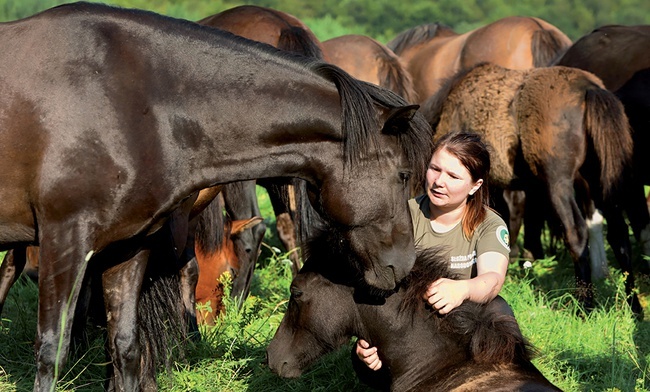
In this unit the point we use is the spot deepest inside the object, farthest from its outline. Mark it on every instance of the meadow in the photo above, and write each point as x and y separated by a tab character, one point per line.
605	350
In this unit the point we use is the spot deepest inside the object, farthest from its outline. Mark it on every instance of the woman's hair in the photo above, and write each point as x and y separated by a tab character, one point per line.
474	154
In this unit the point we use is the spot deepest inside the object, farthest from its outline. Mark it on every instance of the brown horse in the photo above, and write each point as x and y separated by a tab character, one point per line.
434	52
556	133
128	114
286	32
216	255
371	61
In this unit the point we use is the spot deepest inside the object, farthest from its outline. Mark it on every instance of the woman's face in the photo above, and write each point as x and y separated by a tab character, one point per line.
449	182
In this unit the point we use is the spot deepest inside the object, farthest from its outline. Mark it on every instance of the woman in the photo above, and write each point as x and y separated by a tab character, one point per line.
454	213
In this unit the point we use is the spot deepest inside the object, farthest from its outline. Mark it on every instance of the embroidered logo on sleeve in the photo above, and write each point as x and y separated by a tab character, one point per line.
503	236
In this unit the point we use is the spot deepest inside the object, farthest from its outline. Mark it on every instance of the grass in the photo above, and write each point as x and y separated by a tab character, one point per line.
605	350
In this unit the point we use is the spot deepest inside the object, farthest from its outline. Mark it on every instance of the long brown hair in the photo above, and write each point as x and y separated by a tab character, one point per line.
474	154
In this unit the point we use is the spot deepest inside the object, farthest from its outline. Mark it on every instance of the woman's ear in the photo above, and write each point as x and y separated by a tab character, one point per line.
476	186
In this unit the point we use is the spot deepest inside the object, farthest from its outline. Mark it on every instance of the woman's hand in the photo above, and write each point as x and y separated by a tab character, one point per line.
368	354
446	294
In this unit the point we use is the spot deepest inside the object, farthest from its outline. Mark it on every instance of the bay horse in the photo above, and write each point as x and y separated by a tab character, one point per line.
121	117
473	348
369	60
555	133
434	52
288	198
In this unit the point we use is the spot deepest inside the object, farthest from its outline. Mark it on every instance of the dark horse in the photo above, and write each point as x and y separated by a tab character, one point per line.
119	118
434	52
555	133
618	56
473	348
371	61
288	198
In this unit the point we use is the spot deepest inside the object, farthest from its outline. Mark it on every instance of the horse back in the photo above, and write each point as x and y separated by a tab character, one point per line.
481	102
514	42
614	53
276	28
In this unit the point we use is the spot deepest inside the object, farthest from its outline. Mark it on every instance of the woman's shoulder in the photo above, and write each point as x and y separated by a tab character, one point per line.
492	216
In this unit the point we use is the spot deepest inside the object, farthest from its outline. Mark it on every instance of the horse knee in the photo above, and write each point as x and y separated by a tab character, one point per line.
126	349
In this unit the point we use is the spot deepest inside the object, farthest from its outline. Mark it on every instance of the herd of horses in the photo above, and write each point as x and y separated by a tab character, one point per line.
123	144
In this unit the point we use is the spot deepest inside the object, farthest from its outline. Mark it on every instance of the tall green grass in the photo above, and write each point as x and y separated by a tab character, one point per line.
605	350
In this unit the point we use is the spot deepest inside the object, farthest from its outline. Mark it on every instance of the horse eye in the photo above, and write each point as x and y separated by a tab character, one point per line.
295	293
404	177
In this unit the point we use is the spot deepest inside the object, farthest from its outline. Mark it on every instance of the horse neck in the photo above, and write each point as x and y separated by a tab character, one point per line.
414	348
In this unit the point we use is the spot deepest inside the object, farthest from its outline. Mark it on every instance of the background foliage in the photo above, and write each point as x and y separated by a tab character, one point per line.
383	19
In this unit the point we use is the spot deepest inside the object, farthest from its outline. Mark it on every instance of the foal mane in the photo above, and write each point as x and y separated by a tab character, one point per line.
493	337
418	35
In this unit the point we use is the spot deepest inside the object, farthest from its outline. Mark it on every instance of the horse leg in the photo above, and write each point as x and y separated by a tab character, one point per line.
240	201
575	235
10	270
619	241
597	247
515	201
189	280
534	224
637	212
285	218
61	272
121	286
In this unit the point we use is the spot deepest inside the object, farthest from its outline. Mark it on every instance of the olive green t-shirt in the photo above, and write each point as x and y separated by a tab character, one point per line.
490	236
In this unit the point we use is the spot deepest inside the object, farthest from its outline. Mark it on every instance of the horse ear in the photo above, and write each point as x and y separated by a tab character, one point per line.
398	118
240	225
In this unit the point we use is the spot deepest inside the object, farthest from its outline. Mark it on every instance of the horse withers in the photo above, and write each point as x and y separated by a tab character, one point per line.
473	348
128	113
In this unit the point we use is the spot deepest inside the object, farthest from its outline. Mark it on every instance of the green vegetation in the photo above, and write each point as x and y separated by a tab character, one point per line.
606	350
383	19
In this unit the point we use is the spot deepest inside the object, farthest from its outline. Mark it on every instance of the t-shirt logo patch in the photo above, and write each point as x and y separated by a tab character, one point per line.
503	236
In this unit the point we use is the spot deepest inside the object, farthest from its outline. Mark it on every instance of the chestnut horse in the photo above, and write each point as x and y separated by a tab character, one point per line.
128	114
555	133
214	247
371	61
434	53
473	348
286	32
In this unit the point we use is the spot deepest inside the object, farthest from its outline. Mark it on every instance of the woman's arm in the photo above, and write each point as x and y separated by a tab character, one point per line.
446	294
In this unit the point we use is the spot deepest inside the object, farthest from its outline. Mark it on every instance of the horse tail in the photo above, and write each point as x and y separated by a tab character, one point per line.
298	40
610	135
418	35
547	46
395	77
162	327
